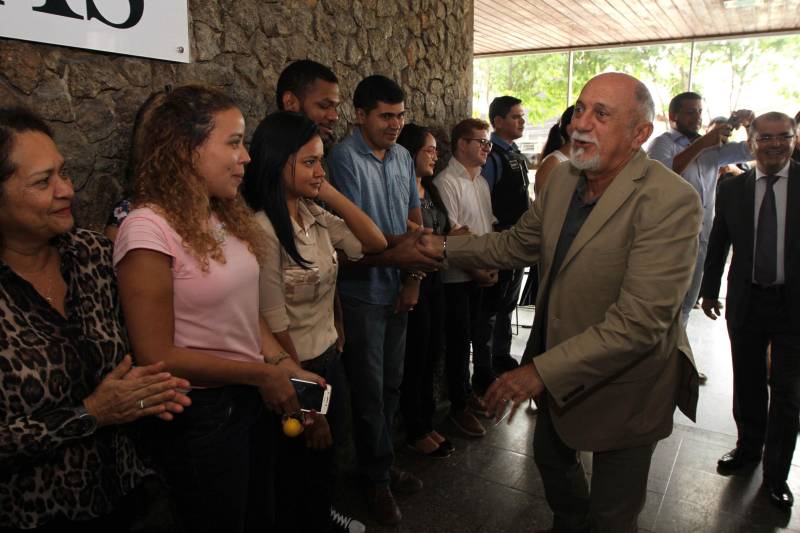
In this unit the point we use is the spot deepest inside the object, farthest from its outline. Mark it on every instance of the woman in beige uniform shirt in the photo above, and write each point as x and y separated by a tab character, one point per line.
297	286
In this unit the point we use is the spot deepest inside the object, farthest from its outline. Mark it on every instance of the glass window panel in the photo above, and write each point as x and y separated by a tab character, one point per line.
755	73
663	68
539	80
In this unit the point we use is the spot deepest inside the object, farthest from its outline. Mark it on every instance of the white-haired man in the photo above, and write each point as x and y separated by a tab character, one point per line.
616	237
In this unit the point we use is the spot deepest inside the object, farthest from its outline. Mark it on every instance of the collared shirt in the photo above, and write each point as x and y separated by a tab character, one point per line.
703	171
577	213
386	190
780	188
299	299
49	364
468	203
493	164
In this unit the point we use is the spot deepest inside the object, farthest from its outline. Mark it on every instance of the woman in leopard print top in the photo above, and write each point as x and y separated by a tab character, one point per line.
67	384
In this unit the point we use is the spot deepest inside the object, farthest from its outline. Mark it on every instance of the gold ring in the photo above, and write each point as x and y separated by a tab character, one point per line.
141	404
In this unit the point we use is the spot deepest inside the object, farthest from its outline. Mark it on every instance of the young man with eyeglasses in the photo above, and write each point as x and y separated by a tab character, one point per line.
697	158
758	213
467	198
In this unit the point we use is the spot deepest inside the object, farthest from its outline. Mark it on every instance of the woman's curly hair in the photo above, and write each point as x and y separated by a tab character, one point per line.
165	178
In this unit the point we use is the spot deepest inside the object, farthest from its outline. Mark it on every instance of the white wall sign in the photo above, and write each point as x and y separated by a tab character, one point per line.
147	28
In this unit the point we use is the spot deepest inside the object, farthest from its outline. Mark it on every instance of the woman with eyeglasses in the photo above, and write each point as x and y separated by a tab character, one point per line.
426	319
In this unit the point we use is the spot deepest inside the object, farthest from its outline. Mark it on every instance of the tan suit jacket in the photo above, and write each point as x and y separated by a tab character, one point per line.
617	361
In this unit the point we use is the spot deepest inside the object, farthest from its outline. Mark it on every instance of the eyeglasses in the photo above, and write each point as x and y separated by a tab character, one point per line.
485	143
783	138
431	150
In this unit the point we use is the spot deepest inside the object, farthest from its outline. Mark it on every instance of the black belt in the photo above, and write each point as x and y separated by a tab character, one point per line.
321	360
770	289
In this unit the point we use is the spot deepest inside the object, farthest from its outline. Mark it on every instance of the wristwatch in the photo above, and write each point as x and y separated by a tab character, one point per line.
277	358
86	420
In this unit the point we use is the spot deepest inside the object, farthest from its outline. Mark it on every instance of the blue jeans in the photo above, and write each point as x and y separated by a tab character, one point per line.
374	351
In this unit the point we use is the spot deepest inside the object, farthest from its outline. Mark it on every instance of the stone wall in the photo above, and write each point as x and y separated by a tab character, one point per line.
90	98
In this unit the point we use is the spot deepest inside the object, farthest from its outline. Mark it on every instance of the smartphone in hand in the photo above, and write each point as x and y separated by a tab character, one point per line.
311	396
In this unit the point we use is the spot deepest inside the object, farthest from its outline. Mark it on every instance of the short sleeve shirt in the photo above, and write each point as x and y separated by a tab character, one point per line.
297	299
385	190
216	312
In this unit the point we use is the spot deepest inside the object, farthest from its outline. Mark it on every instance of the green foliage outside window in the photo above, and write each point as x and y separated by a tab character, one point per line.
755	73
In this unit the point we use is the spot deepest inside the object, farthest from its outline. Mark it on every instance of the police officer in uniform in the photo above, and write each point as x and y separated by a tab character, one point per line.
506	171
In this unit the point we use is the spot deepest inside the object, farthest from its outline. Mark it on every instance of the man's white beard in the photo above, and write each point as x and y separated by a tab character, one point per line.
575	154
590	163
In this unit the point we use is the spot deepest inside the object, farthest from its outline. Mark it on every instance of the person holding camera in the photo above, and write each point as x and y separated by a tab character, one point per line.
697	158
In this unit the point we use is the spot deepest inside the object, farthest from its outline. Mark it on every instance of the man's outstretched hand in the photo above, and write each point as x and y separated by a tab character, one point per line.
409	253
514	387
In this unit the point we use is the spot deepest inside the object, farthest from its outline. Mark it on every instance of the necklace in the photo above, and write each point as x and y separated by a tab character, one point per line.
48	293
219	233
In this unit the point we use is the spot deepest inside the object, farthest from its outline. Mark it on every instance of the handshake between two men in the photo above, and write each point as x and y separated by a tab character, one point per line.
420	250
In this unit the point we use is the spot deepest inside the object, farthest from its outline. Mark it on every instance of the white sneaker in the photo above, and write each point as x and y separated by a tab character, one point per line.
345	524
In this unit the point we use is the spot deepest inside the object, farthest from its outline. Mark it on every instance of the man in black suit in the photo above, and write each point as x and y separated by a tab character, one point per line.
758	212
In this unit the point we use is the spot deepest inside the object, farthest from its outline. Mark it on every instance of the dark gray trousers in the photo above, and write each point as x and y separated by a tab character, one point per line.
618	487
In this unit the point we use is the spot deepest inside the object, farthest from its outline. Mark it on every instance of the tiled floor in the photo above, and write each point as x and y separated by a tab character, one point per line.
492	485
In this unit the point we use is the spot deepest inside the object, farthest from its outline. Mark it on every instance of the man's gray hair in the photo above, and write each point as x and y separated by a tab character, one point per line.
772	116
647	109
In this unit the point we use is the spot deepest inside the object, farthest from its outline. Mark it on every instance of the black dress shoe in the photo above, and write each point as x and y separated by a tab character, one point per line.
779	493
736	459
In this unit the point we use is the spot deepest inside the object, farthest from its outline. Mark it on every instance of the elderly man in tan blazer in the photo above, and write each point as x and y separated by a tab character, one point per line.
615	234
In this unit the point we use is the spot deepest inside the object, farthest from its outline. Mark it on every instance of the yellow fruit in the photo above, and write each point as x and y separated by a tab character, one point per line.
292	427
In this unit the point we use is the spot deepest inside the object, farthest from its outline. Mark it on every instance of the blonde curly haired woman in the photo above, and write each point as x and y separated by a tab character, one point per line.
188	259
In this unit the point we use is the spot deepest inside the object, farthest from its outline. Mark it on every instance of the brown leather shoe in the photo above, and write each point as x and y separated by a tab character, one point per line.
403	482
382	506
466	422
474	404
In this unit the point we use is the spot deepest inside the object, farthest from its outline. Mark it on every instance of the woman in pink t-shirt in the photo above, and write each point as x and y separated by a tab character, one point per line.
188	259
